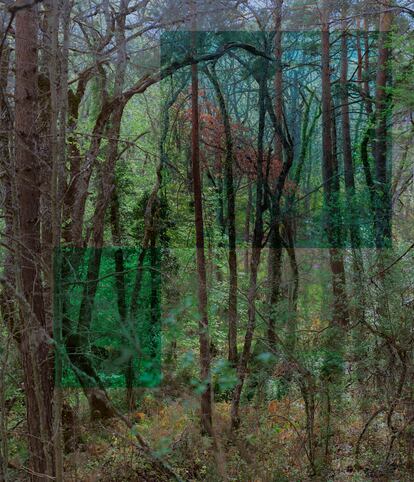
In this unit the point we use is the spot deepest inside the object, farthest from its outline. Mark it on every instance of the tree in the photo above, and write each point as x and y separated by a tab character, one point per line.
206	407
382	213
231	221
346	138
330	180
275	240
256	252
34	341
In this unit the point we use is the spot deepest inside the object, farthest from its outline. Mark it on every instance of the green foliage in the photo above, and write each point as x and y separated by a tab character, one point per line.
95	332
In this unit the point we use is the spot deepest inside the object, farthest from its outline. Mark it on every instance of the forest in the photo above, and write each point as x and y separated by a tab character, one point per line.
206	255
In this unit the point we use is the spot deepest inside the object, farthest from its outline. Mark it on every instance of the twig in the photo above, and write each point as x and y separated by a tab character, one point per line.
393	263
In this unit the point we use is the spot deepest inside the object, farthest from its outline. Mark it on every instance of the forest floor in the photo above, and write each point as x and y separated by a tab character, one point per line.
268	447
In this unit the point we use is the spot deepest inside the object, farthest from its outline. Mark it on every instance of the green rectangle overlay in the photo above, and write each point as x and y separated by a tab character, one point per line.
107	323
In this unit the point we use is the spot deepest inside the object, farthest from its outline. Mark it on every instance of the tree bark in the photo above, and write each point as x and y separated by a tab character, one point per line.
330	179
206	396
255	257
247	225
368	104
34	347
346	140
275	240
383	201
231	220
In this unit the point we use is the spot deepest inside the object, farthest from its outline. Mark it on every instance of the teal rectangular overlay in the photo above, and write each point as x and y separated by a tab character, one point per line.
107	323
364	209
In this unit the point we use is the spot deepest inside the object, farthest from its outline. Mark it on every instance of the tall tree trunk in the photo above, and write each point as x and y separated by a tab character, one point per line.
206	396
255	258
231	220
7	301
354	231
53	183
383	201
275	240
307	128
333	233
346	140
330	179
34	347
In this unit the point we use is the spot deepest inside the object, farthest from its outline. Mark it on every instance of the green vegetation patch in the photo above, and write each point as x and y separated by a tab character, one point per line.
107	317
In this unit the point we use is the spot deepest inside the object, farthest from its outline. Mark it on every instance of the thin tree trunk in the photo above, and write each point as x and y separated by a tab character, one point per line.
340	315
255	258
206	396
383	201
7	303
330	179
368	104
58	89
294	289
231	221
275	241
74	156
354	230
247	226
346	140
359	53
121	290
